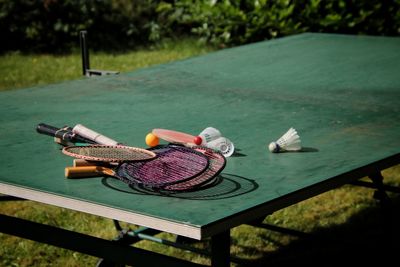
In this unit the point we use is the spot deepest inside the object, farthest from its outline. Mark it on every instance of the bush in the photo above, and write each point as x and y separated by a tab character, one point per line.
233	22
229	22
373	17
53	25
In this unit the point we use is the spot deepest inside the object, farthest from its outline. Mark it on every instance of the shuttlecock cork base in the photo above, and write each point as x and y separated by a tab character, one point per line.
290	141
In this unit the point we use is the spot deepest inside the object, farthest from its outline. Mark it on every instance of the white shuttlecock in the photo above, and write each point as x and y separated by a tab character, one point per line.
223	145
290	141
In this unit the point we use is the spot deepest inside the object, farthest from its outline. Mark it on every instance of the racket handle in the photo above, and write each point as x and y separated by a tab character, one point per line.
84	171
47	129
94	136
82	163
63	134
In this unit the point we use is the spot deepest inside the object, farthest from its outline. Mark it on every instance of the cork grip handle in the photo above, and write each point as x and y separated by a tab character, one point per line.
87	171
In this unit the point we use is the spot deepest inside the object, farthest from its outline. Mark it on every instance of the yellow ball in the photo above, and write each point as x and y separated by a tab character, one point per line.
151	140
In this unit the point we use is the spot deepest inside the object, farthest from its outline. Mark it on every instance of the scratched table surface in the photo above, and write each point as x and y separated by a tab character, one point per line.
341	93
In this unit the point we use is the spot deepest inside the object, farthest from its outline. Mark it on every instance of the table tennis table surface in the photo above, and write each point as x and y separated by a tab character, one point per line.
340	92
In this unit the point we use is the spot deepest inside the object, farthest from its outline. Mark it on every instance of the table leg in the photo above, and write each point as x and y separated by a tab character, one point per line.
220	249
380	193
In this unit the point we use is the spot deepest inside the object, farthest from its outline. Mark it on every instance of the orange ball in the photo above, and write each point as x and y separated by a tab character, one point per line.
152	140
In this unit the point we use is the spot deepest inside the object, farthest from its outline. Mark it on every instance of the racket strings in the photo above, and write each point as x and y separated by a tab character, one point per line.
217	163
170	167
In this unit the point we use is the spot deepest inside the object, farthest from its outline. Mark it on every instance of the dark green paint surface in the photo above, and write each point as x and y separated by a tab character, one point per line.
342	94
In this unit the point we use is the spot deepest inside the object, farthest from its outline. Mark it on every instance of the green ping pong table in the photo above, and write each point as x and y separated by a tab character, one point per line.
340	92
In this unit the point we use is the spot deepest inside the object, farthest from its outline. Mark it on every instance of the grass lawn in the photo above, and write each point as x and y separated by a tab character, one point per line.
343	226
21	70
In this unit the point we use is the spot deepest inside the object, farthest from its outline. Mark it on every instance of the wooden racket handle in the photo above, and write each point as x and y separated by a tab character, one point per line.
82	162
85	171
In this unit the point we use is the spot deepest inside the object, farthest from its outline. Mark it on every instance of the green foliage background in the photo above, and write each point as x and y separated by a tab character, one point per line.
53	25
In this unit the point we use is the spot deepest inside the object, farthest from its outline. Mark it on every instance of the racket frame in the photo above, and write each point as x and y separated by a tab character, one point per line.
150	154
160	185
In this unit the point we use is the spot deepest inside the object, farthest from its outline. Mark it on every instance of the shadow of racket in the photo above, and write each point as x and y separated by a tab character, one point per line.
221	187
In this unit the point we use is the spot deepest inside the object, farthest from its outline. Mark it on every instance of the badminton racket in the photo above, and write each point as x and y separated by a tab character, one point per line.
62	135
173	164
175	137
101	139
217	163
108	153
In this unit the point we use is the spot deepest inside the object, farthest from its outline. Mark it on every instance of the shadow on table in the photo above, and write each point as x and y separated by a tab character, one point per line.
223	186
369	238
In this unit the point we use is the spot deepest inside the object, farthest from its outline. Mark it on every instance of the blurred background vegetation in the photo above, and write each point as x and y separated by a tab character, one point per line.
53	25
